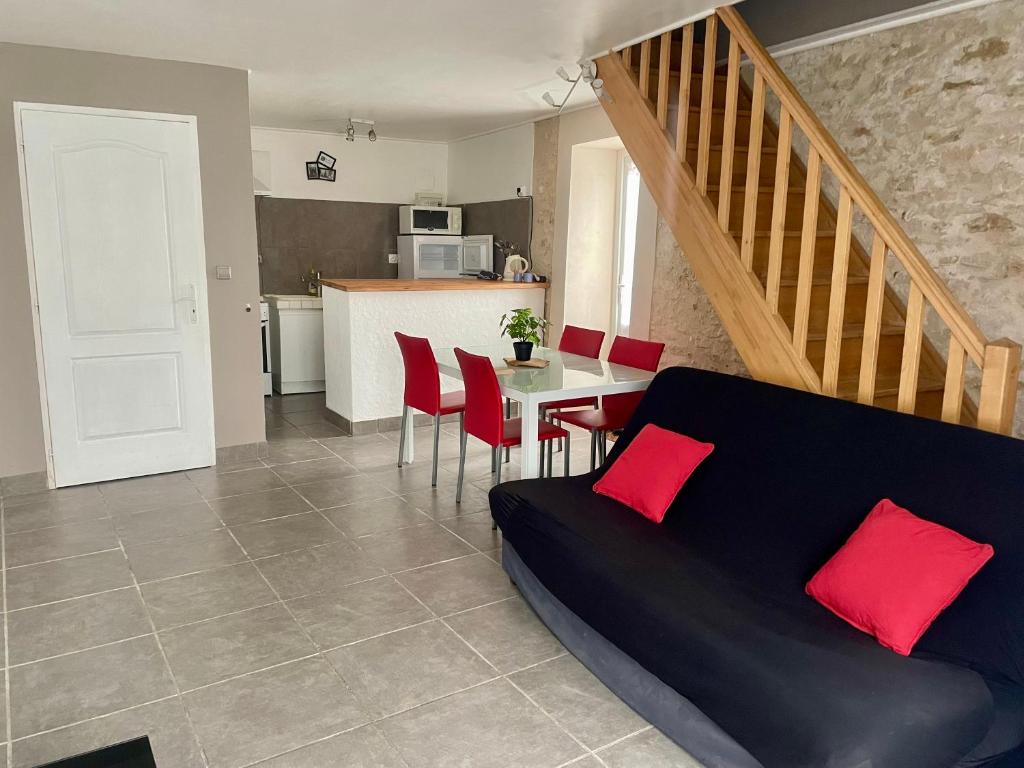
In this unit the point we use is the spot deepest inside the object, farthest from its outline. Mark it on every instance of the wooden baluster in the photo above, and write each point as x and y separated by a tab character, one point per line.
707	102
664	74
912	337
753	172
645	68
732	91
872	323
627	56
685	76
808	242
837	297
999	371
953	392
779	205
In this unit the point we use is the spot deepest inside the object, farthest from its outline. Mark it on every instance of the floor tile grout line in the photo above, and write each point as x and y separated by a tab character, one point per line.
163	653
9	710
249	673
76	723
108	644
61	559
587	750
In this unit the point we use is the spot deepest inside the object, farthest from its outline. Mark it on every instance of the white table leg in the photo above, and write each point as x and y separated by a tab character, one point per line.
530	447
409	447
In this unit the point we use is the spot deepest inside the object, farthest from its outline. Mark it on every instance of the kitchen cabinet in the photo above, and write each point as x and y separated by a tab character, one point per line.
296	343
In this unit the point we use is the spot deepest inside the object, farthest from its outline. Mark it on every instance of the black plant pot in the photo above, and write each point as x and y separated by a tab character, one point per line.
524	350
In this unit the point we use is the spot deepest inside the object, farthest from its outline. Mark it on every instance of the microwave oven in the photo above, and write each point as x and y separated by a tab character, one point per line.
429	220
426	256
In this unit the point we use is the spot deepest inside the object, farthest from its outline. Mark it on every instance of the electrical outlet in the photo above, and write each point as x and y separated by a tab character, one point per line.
523	190
392	258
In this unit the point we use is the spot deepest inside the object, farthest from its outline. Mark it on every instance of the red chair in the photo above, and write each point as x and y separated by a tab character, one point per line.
584	342
484	419
423	390
616	410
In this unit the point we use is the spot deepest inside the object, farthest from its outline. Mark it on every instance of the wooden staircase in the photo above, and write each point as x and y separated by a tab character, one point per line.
805	302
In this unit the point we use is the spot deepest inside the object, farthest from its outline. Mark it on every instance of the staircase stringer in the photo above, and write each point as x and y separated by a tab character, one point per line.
761	338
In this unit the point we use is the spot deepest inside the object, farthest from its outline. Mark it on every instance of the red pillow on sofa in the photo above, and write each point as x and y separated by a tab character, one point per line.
896	574
648	474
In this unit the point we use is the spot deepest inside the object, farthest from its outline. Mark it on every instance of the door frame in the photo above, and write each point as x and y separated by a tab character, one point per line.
193	124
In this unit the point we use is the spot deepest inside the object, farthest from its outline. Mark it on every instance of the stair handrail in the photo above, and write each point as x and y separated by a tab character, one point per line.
960	323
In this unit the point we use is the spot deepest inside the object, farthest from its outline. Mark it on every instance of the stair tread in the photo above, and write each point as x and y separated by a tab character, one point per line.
856	331
765	150
886	385
789	282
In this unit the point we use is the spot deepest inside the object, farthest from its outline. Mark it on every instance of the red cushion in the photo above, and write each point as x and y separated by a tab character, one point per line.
896	574
648	474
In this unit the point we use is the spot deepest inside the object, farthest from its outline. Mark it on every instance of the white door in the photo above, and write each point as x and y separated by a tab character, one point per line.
116	240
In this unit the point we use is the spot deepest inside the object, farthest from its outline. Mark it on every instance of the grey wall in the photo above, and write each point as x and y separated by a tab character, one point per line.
219	97
342	240
780	21
505	219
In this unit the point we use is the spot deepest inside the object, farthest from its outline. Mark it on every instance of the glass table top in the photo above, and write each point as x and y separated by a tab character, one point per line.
565	373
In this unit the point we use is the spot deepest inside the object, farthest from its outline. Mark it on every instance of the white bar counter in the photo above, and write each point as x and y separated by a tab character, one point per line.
365	376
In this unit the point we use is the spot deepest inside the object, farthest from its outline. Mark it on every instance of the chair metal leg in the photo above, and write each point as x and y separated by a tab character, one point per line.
494	459
602	446
593	450
508	415
565	457
462	463
540	465
437	438
551	455
497	475
401	440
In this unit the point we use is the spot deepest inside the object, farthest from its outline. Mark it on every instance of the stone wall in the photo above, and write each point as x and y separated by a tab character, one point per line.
682	315
931	114
545	172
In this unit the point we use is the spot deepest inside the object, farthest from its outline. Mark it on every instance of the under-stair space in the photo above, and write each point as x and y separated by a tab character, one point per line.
813	278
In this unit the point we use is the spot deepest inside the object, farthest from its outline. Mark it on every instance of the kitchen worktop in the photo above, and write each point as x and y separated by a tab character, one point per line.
435	284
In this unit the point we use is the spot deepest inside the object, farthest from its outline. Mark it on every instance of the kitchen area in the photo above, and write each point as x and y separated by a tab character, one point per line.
340	276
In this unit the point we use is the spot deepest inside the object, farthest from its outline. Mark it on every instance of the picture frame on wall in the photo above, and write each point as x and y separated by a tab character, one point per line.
327	174
312	170
325	160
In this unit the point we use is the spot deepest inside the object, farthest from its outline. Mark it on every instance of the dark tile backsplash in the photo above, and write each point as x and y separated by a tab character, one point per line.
352	240
505	219
342	240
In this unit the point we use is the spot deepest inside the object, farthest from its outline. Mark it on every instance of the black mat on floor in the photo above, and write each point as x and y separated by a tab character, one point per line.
130	754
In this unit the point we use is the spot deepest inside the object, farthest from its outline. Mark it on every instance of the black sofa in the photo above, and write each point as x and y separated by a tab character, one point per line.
702	624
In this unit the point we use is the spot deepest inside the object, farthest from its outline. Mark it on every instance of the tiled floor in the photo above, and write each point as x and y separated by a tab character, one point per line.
318	608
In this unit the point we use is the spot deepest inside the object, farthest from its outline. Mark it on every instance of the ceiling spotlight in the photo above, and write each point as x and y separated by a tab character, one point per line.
549	99
372	135
563	74
588	70
350	132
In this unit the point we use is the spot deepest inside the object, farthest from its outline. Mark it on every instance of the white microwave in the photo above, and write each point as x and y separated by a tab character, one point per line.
429	220
426	256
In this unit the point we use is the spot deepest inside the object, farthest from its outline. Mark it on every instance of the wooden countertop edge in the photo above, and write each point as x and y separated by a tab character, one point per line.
435	284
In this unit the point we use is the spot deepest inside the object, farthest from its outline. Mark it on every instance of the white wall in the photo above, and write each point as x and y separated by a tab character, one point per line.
384	171
581	127
590	256
490	167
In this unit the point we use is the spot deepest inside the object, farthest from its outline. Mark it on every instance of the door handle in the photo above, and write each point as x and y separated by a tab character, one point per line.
188	293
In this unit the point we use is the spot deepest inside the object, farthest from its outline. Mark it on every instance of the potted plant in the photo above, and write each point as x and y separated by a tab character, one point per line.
522	326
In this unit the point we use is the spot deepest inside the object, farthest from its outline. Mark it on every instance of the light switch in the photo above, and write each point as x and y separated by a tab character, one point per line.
392	258
223	272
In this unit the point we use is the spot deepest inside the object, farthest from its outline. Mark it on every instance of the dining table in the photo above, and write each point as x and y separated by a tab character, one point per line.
565	376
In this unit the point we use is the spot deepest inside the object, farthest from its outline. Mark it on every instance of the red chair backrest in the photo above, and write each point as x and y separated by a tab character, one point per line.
636	353
483	417
581	341
422	379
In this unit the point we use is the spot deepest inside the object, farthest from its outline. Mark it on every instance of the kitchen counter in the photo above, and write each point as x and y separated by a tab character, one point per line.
364	371
434	284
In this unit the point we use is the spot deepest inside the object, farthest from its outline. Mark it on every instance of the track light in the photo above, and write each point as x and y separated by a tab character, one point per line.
372	134
588	74
563	74
350	132
549	99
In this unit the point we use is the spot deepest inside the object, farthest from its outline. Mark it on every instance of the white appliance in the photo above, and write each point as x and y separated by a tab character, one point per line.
426	256
297	343
429	220
268	364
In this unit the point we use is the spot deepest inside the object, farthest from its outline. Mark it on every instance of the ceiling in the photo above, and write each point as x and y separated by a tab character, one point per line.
437	70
